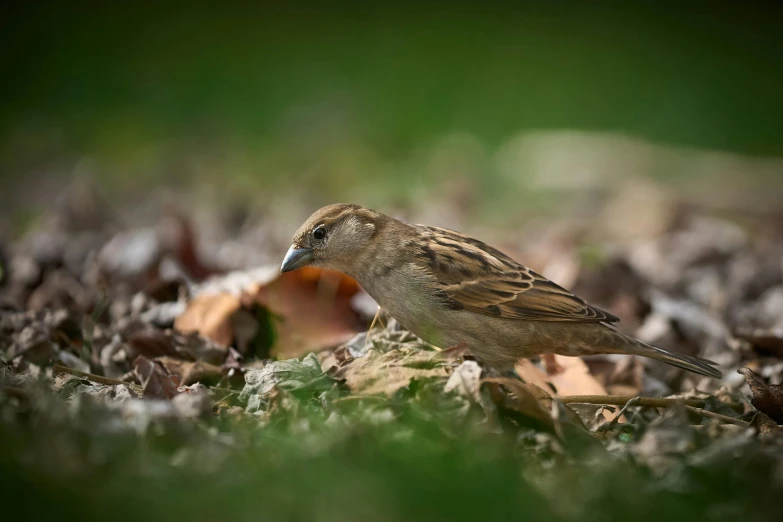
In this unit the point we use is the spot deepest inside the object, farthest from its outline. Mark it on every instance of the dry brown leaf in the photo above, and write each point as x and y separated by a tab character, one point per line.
178	237
531	400
313	307
765	426
531	374
767	341
767	398
623	377
195	347
189	372
575	379
155	381
210	315
388	372
149	342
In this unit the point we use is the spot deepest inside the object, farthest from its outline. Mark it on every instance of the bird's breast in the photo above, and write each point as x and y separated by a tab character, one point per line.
406	294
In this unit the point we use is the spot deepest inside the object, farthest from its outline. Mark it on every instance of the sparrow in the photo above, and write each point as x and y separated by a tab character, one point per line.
452	290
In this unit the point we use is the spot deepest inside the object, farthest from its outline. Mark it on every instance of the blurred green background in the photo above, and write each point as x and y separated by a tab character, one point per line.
351	101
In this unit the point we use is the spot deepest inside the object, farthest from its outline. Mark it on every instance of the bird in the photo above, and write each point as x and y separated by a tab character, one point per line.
451	290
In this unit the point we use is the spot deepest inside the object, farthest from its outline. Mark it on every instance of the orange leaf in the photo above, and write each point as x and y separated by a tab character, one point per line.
574	378
313	307
210	315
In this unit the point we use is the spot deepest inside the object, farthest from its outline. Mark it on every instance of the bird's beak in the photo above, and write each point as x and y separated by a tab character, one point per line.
296	258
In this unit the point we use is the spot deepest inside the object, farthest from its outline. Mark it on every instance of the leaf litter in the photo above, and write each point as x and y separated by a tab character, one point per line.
211	362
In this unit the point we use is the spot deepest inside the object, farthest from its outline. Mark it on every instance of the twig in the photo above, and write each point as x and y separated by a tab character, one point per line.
698	427
225	397
732	428
95	378
718	416
649	402
633	401
224	390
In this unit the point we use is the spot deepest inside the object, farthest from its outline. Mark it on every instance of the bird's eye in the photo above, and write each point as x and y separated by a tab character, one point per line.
319	232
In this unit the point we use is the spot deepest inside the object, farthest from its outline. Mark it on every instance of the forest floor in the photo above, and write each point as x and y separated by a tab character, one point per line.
143	378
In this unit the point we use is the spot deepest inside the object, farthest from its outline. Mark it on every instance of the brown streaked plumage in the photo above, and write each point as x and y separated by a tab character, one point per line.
451	289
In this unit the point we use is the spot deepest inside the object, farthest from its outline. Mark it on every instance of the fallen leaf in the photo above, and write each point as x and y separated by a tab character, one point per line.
288	375
386	372
189	372
69	386
210	315
765	426
156	382
177	236
531	374
619	376
34	343
766	341
149	342
767	398
529	399
575	379
466	380
312	308
666	441
194	346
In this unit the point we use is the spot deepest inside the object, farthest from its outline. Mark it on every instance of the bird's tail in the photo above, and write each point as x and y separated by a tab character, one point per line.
686	362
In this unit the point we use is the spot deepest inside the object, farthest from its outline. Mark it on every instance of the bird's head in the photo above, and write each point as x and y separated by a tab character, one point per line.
333	237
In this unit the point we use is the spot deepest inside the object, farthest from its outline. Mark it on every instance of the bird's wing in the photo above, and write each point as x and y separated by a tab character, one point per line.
471	275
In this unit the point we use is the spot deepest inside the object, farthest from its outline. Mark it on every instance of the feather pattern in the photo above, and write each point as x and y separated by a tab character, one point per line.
471	275
451	289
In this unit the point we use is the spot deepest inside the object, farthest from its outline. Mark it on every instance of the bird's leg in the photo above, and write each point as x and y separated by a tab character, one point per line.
551	365
372	324
378	318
